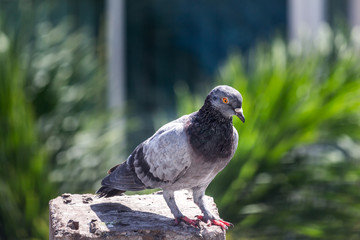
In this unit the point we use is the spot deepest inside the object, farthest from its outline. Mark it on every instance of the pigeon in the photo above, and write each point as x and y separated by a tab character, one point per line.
186	153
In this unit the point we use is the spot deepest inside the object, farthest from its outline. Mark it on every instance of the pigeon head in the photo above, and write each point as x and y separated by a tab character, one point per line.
227	100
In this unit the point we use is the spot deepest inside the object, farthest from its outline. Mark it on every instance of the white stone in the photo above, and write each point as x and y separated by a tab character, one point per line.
127	217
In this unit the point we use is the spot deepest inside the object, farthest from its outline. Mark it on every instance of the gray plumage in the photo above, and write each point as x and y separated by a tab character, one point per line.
186	153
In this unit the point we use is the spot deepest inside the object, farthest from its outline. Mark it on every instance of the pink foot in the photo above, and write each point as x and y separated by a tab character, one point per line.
223	224
188	221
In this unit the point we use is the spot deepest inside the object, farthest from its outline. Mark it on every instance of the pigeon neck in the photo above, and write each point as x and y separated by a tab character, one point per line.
211	134
208	112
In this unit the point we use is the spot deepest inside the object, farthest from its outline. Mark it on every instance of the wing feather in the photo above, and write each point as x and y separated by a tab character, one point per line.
159	160
163	157
123	178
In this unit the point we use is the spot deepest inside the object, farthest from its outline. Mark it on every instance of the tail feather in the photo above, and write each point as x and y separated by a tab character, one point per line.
108	192
121	178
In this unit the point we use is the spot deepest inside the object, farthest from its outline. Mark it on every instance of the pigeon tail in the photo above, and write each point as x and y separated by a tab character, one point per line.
108	192
121	178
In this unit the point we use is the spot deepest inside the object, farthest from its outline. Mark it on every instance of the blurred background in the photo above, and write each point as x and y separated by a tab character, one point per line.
83	82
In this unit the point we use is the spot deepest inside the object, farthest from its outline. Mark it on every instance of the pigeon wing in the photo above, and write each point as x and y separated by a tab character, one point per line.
159	160
163	158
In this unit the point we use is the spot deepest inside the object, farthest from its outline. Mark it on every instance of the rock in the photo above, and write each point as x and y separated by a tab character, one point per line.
66	198
73	224
87	199
75	216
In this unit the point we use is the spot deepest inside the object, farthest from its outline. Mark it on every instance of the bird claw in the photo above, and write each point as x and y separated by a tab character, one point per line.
188	221
223	224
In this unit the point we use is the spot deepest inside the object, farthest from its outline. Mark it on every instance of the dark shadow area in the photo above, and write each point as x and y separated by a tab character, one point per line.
119	217
109	207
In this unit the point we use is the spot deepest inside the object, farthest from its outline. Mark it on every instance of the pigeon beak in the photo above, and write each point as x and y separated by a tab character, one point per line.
239	113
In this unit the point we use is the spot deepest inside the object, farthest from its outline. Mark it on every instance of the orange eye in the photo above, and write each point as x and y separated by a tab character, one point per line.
225	100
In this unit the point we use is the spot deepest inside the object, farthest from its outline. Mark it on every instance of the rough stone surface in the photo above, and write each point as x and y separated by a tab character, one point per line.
75	216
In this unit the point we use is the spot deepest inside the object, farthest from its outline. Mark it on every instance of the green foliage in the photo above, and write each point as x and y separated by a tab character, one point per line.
67	86
55	132
295	174
296	170
24	189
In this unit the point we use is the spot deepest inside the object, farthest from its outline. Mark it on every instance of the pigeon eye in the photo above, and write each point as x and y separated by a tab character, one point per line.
225	100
